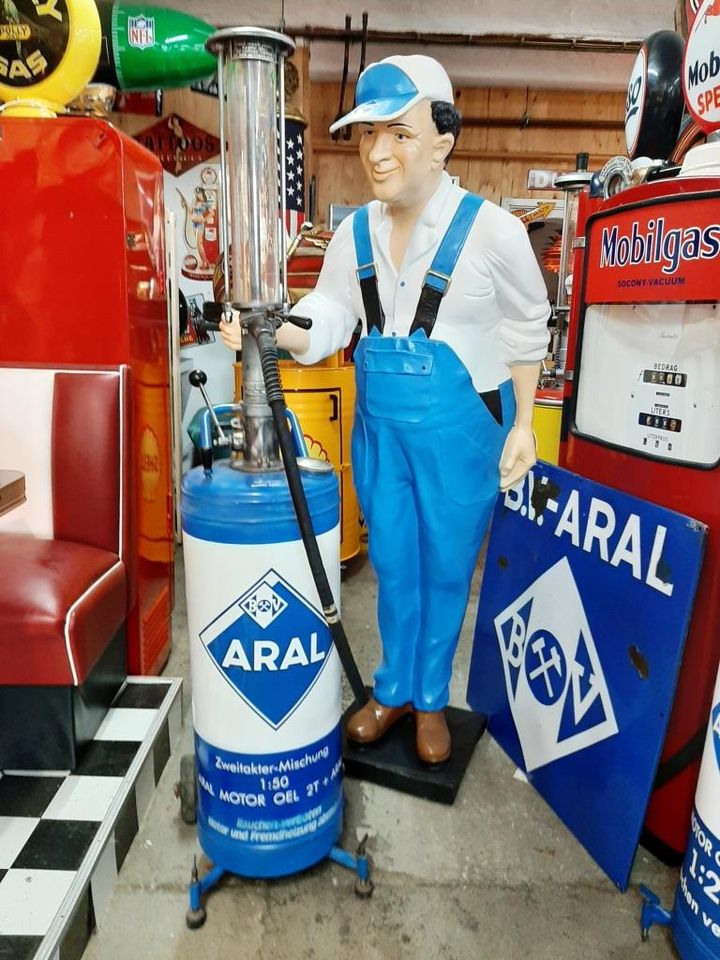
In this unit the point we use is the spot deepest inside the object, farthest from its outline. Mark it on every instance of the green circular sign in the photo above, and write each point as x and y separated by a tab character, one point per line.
34	38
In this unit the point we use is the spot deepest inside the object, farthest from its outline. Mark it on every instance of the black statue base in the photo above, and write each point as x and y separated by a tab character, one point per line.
393	762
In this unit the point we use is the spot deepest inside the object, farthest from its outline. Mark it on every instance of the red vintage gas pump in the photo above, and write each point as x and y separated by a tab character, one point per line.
82	255
641	407
643	414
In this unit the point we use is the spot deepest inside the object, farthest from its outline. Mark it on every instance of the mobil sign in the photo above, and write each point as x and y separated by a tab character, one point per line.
701	67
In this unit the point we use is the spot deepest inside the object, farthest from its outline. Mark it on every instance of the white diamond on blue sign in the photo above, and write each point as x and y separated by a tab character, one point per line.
555	684
716	731
270	645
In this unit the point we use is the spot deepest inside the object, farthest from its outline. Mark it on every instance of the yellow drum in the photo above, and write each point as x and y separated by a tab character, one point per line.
547	415
323	399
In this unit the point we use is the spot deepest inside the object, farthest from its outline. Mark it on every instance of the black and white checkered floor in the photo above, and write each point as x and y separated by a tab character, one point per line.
64	836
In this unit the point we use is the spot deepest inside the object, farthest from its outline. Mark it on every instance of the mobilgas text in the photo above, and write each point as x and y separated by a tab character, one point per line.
656	244
697	75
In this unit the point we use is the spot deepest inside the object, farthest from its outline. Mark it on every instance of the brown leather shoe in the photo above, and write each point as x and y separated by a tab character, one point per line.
370	722
432	737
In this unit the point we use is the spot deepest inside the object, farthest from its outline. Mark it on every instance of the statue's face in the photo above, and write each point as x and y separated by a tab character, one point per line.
401	157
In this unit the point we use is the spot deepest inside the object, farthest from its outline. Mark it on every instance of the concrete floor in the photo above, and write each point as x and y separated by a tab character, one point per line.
494	877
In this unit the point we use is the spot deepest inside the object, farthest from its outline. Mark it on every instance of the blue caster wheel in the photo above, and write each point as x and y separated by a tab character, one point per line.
364	888
195	918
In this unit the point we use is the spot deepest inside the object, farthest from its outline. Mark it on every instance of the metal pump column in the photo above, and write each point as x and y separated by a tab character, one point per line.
250	79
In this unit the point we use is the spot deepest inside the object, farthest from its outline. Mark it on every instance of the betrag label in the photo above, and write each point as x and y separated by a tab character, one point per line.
555	684
270	645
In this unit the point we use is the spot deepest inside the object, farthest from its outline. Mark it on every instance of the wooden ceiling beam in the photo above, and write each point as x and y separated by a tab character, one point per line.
513	40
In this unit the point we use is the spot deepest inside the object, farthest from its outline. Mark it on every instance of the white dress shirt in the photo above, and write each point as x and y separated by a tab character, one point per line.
494	313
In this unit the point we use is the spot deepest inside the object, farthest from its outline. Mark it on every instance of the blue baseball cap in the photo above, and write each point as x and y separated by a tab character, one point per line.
387	89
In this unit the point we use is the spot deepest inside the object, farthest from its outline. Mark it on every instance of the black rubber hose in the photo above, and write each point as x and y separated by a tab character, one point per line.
276	400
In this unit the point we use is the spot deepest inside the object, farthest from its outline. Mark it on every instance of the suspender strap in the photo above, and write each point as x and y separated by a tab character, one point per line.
367	271
437	279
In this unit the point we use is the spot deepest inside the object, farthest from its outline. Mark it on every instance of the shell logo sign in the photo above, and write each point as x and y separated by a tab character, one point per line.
149	464
316	449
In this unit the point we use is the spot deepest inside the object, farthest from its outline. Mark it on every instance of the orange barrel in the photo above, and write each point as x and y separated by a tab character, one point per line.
323	399
547	414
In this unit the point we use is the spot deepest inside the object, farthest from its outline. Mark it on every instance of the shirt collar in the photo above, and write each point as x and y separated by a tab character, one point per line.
425	232
433	208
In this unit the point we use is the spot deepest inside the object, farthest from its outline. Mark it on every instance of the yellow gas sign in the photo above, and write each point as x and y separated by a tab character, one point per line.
49	50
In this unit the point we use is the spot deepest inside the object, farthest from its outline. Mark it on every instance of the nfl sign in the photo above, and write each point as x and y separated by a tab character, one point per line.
141	31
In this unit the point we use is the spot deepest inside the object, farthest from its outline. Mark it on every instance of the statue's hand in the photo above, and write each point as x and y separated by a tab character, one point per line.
292	338
518	456
231	333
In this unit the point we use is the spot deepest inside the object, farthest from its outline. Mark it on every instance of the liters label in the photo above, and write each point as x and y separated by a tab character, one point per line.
270	645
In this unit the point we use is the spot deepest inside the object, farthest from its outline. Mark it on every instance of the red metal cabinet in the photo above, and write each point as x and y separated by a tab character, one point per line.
83	267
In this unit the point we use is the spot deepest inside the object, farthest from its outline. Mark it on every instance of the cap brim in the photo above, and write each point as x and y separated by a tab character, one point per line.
377	111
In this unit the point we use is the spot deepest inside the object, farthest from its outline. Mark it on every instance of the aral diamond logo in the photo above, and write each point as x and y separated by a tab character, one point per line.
264	605
270	645
556	688
715	721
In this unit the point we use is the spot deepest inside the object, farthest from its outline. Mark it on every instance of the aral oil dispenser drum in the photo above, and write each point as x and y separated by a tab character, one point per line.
696	921
265	673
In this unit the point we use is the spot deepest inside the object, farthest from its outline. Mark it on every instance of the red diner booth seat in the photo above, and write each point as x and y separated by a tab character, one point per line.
63	575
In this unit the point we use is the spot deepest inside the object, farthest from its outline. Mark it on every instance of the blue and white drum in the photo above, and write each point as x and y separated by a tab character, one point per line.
265	673
696	919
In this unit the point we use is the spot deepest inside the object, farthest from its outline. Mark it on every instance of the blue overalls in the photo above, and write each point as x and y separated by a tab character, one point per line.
425	451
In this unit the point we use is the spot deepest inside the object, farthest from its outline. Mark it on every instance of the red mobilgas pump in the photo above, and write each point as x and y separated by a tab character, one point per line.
641	405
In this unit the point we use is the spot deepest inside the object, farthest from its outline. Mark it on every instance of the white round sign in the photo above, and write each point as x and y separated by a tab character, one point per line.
635	100
701	67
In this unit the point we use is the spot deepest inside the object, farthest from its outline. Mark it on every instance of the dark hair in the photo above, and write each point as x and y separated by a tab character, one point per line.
447	119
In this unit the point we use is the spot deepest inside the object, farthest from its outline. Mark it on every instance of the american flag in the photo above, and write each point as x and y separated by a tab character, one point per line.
294	176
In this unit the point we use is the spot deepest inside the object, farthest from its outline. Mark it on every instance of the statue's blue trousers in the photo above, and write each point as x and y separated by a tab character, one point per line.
425	453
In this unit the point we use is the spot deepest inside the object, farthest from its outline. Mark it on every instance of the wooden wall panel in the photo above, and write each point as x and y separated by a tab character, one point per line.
197	108
507	132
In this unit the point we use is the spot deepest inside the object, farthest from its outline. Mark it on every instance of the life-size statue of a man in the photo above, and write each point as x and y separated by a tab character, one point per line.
454	320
